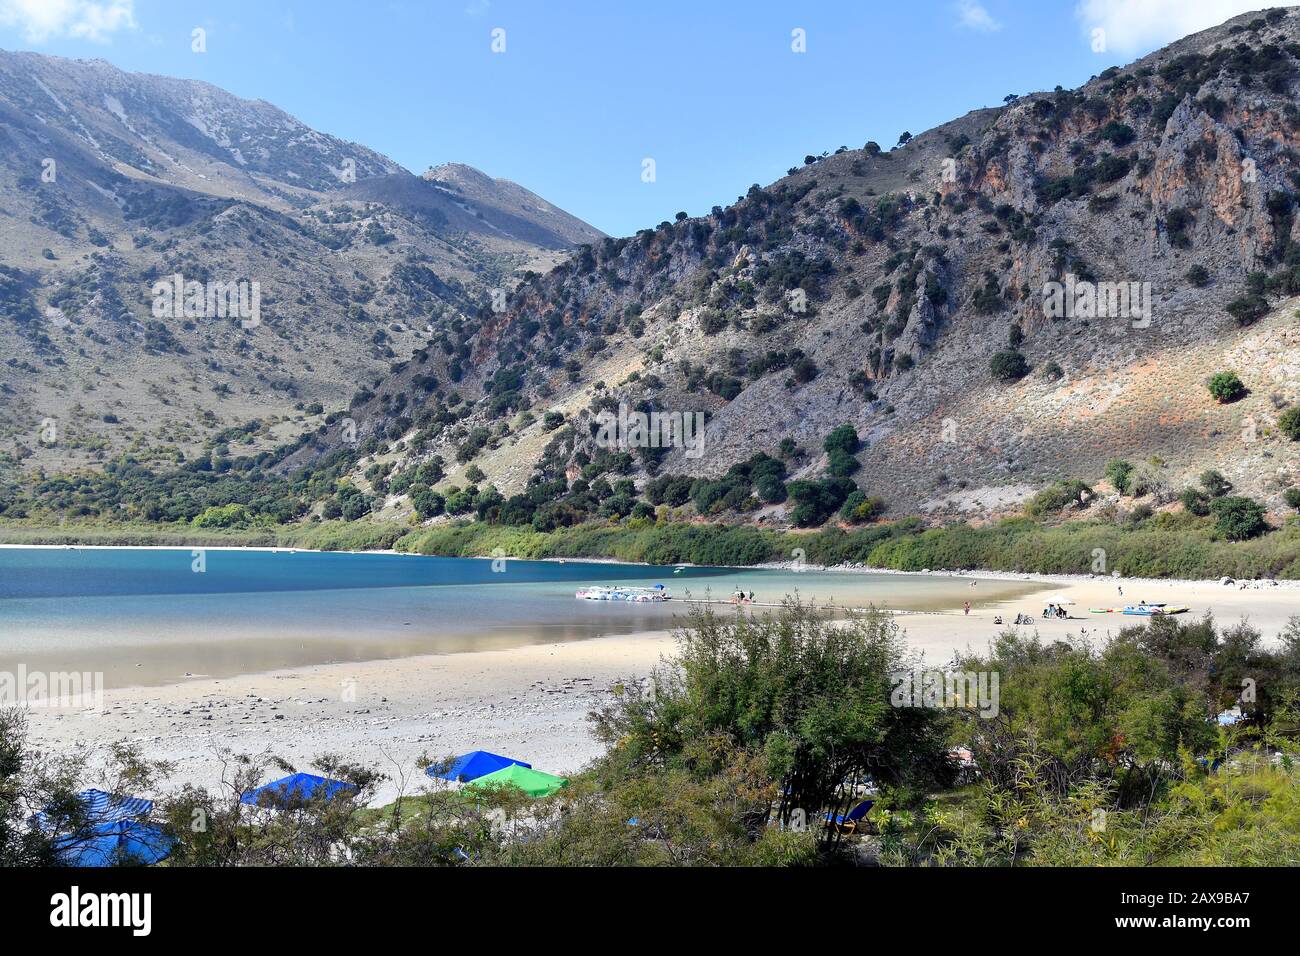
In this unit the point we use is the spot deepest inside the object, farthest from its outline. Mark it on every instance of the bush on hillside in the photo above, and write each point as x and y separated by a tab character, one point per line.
1057	497
1226	387
1215	484
1119	473
1288	423
1195	501
859	508
1239	518
1009	365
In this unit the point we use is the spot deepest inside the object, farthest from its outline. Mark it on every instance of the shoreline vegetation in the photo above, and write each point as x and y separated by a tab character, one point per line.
755	742
1174	546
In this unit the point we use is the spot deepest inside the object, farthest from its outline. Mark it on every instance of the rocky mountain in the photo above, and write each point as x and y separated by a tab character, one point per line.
511	208
111	182
918	294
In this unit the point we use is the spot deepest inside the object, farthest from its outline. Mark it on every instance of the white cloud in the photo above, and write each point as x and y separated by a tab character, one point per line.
94	20
1139	26
973	16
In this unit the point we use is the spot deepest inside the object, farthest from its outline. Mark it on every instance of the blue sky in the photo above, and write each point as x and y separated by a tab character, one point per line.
712	90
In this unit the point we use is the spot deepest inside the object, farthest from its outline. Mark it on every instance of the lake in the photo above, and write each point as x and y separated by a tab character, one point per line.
157	615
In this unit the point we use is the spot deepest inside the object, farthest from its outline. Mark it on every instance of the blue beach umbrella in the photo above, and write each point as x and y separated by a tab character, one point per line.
298	787
101	807
115	832
121	843
471	766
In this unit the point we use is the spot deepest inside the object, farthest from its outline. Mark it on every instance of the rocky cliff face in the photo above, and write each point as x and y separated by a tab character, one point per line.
876	288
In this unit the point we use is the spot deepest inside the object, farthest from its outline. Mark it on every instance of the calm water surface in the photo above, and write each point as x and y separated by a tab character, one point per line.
146	616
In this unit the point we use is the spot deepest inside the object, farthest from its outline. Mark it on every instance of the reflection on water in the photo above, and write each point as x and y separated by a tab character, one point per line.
144	617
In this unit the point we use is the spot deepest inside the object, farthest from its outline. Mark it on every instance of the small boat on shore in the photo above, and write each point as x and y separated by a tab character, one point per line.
1152	610
634	595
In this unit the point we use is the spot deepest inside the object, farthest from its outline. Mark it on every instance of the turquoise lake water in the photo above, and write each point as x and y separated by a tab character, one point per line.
150	615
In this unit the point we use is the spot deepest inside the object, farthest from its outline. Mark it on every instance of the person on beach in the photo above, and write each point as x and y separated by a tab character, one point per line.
966	607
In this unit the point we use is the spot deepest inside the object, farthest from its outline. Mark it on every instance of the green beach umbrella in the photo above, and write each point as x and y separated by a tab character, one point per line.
535	783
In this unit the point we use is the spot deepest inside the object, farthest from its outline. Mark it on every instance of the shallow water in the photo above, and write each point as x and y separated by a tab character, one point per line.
149	616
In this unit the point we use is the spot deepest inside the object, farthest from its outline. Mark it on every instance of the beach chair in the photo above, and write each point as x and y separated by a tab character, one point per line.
848	822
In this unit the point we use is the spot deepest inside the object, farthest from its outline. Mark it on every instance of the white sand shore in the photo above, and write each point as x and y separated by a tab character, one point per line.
529	702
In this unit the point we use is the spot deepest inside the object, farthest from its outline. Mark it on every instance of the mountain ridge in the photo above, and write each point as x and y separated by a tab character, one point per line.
110	180
919	266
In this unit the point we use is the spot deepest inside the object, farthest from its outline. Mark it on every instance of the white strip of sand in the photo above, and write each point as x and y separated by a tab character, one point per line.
530	702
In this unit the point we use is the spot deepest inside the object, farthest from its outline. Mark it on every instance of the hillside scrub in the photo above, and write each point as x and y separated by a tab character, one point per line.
758	727
1165	546
1161	546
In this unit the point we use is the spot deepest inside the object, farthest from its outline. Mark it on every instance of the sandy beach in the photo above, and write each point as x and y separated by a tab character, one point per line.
531	701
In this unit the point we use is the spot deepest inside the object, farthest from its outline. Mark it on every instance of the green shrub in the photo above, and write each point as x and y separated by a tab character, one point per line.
1226	387
842	464
770	488
1009	365
1117	134
859	508
843	438
1118	473
356	506
1248	309
459	502
222	516
1292	498
1057	497
1239	518
1140	513
427	503
1195	501
1176	225
815	501
988	297
1215	484
1288	423
1145	481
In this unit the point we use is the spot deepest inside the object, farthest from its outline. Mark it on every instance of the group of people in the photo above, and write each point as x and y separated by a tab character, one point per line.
1056	610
